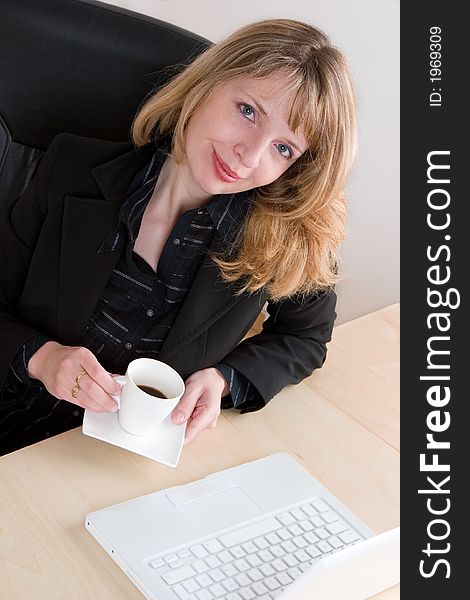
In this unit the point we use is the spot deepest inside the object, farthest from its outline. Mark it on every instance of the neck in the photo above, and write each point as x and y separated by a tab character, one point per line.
176	188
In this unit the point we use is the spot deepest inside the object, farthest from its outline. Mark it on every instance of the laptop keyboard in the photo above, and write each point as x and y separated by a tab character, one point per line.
258	560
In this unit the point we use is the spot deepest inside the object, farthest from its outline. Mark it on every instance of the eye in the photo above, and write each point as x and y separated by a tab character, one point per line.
247	111
284	150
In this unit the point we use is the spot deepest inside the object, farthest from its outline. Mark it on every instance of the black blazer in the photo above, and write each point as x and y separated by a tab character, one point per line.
52	277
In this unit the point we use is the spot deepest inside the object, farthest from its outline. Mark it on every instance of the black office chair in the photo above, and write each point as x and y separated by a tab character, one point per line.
79	66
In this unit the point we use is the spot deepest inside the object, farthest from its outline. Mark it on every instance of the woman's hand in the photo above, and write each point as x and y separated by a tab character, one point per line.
200	403
57	367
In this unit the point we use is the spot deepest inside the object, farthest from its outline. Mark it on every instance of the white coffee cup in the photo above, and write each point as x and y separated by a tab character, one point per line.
139	412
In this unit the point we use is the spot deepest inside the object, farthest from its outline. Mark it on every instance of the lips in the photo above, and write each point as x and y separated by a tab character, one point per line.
222	170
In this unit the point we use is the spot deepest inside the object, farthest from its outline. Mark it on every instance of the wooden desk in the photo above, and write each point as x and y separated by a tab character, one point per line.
341	424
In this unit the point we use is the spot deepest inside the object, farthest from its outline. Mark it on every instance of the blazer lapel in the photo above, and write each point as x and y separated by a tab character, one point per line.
86	223
208	300
115	176
83	272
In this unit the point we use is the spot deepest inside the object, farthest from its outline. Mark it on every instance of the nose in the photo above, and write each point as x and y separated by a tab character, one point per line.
250	151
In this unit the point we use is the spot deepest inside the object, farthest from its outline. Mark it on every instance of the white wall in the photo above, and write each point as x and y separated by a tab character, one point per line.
367	31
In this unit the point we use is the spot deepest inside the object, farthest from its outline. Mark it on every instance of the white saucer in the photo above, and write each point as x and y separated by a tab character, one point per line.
164	444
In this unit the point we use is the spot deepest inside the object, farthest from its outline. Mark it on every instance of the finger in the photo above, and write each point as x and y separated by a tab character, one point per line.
201	420
184	408
89	403
82	399
99	374
97	394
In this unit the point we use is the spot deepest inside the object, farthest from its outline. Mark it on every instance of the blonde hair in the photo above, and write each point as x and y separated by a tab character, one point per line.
290	240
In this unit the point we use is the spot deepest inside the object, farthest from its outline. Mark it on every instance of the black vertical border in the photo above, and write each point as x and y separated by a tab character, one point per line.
424	129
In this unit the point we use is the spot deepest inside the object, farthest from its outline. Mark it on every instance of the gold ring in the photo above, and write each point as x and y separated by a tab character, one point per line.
79	376
76	387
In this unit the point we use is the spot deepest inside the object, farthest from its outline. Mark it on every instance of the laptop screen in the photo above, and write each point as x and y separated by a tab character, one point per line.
357	572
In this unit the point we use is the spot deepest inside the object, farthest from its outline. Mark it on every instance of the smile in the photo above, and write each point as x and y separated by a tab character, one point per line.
222	170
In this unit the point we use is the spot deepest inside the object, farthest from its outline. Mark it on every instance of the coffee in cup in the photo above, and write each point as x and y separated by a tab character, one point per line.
148	389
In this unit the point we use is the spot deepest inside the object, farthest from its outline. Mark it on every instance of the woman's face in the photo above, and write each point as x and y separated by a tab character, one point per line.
239	139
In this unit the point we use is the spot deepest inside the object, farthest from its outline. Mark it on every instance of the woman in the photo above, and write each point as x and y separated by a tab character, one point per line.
230	196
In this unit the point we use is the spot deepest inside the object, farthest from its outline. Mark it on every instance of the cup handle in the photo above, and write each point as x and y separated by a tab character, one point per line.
122	380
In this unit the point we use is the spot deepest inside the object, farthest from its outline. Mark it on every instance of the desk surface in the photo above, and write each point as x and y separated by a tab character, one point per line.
341	424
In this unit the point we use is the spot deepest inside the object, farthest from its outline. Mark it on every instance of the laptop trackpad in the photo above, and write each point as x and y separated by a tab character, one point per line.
223	500
198	490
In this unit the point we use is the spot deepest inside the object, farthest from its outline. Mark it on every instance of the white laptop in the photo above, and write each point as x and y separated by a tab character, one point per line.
262	530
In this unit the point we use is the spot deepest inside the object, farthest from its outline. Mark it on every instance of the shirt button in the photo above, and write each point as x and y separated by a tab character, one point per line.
176	241
128	346
150	313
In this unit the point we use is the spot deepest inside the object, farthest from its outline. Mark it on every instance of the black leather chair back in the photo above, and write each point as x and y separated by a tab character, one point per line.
79	66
